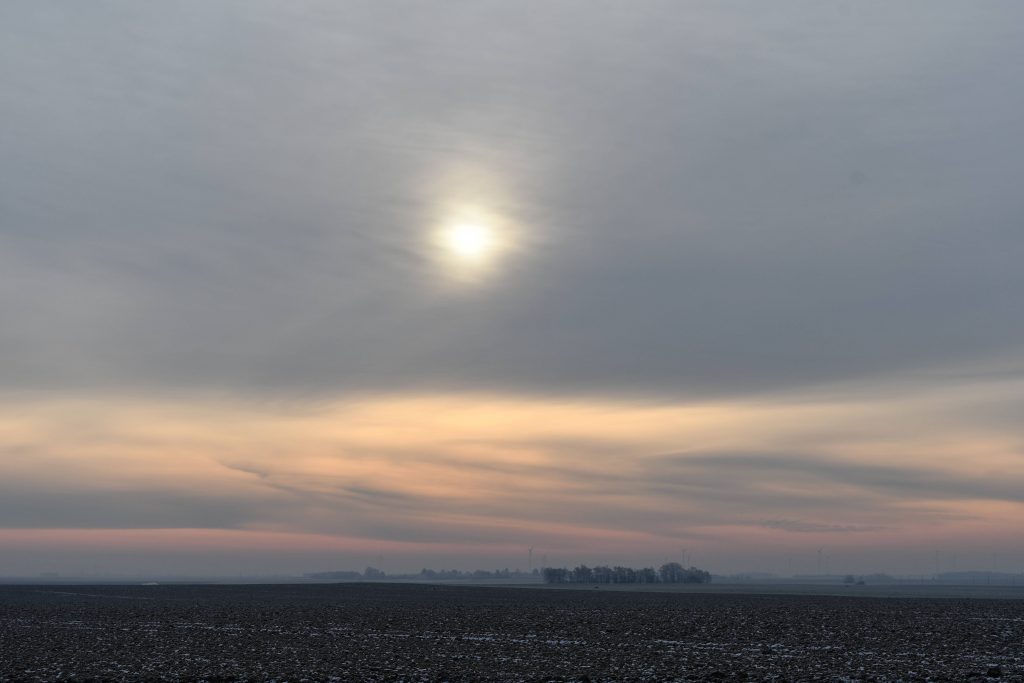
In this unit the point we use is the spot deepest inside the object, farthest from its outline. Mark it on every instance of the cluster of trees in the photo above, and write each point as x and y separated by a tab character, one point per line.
672	572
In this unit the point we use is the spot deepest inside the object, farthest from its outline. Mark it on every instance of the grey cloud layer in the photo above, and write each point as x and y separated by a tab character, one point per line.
800	526
716	470
718	197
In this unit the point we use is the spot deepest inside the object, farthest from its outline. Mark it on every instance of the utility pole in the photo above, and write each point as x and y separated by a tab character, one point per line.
530	565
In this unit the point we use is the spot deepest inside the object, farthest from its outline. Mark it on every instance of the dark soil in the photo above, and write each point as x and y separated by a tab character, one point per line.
358	632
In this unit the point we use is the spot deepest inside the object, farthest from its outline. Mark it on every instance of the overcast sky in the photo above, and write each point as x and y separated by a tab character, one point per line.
288	286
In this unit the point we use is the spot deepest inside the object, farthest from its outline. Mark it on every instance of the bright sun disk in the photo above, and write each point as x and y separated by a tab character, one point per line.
469	241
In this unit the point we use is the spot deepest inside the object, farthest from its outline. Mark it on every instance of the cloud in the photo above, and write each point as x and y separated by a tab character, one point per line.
155	508
489	472
799	526
760	264
240	199
922	481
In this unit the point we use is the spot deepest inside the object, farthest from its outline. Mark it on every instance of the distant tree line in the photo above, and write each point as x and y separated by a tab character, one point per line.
478	574
672	572
375	574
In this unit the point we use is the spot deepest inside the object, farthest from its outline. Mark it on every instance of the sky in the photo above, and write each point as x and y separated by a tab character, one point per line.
300	286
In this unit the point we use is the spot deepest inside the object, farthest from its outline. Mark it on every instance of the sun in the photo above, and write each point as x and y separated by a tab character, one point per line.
469	242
